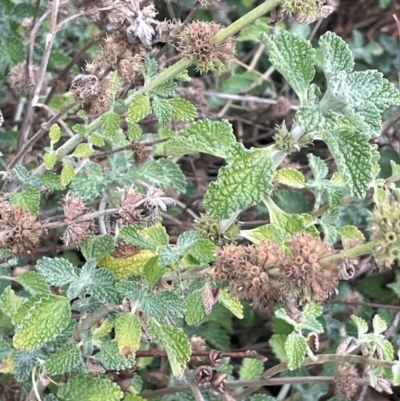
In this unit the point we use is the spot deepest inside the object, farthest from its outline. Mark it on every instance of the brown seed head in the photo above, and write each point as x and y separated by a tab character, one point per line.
196	43
129	213
345	385
19	230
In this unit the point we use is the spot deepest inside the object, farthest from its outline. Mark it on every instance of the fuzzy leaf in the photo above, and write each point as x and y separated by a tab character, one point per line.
55	134
291	177
378	324
163	173
52	181
83	150
294	57
186	240
34	283
42	319
212	137
28	199
243	182
202	251
251	368
166	88
138	109
12	49
175	343
20	173
110	123
309	318
50	159
318	167
24	362
98	246
88	388
295	348
337	54
277	344
282	314
79	129
68	357
128	332
361	324
134	131
396	374
350	232
354	159
57	271
10	302
67	174
163	111
125	267
110	357
231	303
96	140
194	308
182	109
152	270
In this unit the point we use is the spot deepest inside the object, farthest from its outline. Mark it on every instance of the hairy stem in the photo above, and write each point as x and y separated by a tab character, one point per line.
359	250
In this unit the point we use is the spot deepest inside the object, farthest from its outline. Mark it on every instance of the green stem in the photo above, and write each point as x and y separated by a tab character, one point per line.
246	20
359	250
354	359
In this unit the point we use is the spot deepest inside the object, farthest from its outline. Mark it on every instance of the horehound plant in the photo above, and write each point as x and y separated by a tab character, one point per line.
73	332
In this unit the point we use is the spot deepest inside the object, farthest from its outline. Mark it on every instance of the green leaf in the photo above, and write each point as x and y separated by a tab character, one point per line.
282	314
243	182
163	111
175	343
350	232
396	374
110	123
295	348
353	156
33	282
212	137
251	368
128	332
186	240
294	57
262	397
194	307
50	159
52	181
361	324
318	167
202	251
135	236
182	109
337	54
88	388
79	129
163	173
231	303
277	344
378	324
290	177
10	303
102	287
152	271
67	174
110	357
134	131
24	362
150	65
20	173
309	318
55	134
98	246
166	88
68	357
57	271
138	109
28	199
42	318
83	150
96	140
12	49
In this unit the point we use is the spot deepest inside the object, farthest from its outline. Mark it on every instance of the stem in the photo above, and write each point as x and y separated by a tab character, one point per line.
354	359
359	250
246	20
187	275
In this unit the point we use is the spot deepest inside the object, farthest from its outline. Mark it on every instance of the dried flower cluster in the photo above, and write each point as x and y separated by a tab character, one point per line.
19	231
385	229
19	80
264	273
196	42
345	385
77	230
130	212
305	11
208	228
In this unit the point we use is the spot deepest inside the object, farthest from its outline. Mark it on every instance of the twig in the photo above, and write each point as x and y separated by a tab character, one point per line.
393	326
254	382
159	353
193	386
372	305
